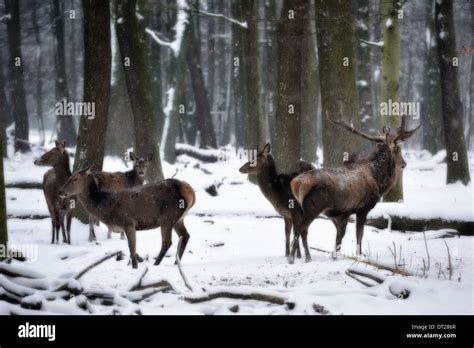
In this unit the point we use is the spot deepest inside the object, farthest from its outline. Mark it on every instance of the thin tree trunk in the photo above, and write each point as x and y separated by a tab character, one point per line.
310	93
254	117
337	78
39	78
203	109
291	30
391	76
18	104
134	50
3	209
431	106
458	168
66	127
3	117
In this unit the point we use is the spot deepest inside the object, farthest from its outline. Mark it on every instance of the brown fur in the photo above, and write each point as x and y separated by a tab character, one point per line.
139	208
53	180
354	188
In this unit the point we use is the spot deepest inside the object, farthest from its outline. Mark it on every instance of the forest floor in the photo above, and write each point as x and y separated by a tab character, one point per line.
237	245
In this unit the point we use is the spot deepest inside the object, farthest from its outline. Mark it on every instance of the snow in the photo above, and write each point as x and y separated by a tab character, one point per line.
388	23
237	244
179	28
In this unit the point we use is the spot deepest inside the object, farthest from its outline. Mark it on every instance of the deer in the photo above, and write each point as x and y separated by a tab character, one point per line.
53	180
117	181
162	204
276	188
354	188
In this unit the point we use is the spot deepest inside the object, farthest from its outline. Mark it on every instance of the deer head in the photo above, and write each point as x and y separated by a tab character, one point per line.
78	182
254	166
140	164
54	156
389	138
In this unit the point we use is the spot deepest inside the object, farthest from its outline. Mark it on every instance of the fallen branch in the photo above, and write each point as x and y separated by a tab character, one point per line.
450	265
95	264
368	262
239	296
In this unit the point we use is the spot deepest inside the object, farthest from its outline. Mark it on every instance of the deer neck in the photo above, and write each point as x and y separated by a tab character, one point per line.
61	170
384	169
267	178
93	200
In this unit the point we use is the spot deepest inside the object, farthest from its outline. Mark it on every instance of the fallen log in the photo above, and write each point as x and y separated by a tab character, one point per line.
403	223
203	155
240	296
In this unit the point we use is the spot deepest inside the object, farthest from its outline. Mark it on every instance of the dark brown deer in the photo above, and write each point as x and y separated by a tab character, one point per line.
353	189
276	188
117	181
53	180
163	204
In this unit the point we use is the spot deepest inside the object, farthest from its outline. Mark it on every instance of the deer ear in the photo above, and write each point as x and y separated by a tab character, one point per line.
267	149
150	157
56	143
132	156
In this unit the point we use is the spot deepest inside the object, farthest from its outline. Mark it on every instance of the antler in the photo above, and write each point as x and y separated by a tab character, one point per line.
402	133
351	129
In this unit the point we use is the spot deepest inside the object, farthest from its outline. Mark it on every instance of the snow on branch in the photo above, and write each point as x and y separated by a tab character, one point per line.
219	15
372	43
179	28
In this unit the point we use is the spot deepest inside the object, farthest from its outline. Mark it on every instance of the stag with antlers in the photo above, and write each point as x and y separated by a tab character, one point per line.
353	189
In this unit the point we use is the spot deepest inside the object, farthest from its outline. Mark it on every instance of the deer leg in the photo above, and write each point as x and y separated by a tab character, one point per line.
298	250
182	232
132	245
91	230
304	237
68	225
288	225
63	228
57	227
341	223
53	226
360	222
165	242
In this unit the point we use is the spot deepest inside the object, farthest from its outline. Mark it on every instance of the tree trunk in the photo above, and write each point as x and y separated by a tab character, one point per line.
119	138
458	168
337	78
254	117
310	93
66	128
391	76
431	106
97	70
177	73
203	109
364	68
39	78
238	92
134	50
18	104
3	208
291	29
3	117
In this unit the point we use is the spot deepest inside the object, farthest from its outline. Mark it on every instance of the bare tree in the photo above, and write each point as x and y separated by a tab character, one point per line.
458	168
18	104
134	49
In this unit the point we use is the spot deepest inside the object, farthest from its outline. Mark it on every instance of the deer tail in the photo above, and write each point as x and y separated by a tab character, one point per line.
189	196
300	187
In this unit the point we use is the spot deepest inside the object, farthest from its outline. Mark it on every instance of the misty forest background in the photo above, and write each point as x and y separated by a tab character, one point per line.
243	72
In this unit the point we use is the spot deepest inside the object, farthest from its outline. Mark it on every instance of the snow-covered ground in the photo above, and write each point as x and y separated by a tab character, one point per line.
237	243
